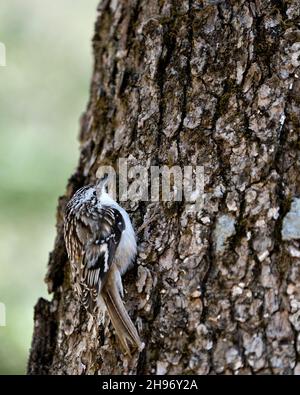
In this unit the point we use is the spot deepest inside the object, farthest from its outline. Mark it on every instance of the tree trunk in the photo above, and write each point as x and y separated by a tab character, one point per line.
207	83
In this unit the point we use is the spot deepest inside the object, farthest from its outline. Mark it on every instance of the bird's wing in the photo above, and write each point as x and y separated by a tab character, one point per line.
99	253
105	231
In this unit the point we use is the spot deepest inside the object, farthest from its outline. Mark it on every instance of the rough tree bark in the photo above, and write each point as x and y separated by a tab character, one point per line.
186	82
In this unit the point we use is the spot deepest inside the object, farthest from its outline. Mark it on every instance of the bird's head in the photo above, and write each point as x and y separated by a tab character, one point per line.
102	184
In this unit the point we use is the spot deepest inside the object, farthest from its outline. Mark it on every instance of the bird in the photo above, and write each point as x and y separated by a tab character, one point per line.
101	246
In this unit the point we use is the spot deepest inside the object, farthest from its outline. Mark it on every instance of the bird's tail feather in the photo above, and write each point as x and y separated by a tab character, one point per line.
120	319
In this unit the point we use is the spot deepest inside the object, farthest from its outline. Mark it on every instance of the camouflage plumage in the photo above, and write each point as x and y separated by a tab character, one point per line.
101	245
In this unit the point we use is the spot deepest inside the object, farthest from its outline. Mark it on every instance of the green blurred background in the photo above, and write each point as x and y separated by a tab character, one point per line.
43	91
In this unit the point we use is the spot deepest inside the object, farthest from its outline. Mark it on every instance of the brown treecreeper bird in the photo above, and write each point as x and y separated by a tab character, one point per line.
101	245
